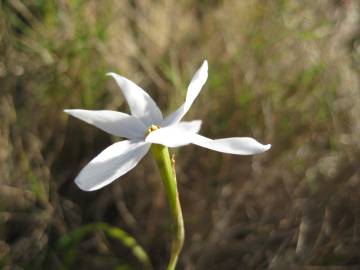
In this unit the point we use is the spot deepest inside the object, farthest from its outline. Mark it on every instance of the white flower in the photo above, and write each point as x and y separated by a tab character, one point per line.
145	126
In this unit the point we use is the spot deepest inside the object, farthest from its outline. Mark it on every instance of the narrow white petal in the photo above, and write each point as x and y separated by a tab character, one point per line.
193	91
141	104
237	146
110	164
175	135
115	123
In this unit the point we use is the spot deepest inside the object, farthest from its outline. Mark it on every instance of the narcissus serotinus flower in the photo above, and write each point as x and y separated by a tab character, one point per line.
145	126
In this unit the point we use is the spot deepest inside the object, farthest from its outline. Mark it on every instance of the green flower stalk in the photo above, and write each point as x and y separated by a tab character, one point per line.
168	175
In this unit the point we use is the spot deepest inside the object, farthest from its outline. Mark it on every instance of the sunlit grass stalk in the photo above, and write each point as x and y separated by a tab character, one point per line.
168	175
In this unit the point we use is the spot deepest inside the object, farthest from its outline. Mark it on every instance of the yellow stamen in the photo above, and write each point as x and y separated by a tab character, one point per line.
151	129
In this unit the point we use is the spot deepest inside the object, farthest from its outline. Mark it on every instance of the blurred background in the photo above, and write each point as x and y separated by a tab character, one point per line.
284	72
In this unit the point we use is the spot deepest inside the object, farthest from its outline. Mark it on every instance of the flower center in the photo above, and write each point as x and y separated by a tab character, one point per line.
151	129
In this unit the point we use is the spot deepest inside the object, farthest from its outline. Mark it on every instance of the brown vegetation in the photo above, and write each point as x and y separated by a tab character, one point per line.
285	72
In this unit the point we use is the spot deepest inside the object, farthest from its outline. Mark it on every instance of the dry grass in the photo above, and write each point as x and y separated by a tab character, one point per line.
285	72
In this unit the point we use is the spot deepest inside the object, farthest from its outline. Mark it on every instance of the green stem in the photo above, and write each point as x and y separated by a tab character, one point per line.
167	172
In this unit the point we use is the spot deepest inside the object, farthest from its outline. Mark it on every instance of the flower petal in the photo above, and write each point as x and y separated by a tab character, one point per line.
193	91
141	104
115	123
110	164
237	146
175	135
